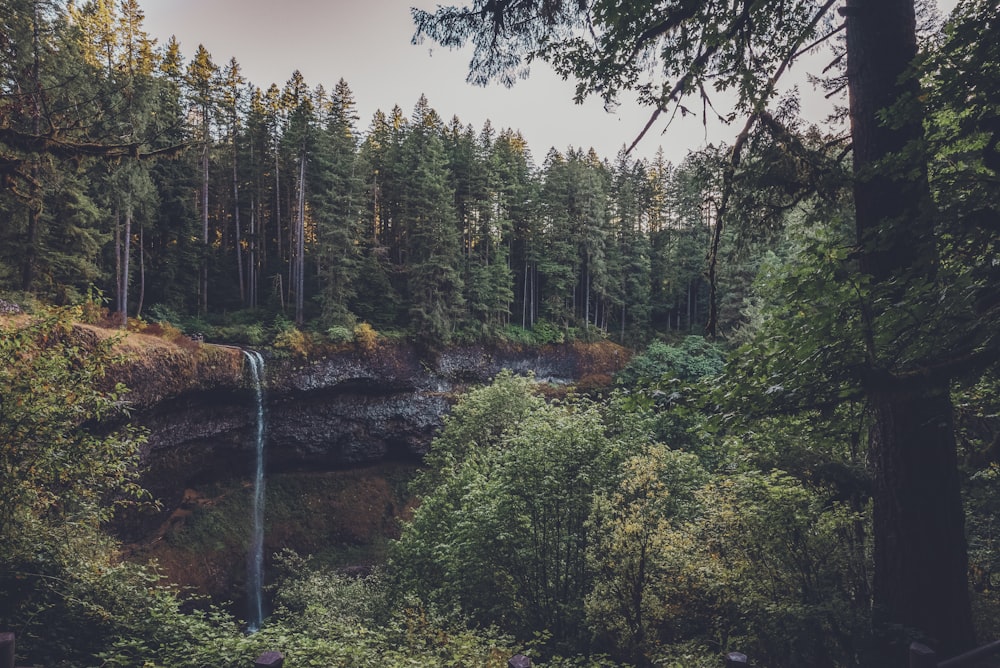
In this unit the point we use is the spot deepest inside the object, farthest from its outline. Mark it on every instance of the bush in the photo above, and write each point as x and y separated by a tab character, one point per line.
516	334
136	325
294	341
366	337
695	358
161	313
545	332
339	334
256	336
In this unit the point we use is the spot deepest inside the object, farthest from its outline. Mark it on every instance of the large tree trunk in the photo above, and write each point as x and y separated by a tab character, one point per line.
203	285
919	543
142	274
918	520
126	257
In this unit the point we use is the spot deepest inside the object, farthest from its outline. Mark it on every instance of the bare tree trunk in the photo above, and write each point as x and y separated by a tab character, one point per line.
119	283
920	555
277	203
142	274
126	248
300	250
525	297
236	220
252	257
204	221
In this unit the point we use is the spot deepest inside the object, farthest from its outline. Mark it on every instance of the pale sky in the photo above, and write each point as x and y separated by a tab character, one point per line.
367	43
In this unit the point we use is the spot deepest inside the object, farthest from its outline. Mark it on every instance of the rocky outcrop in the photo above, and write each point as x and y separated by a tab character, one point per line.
342	408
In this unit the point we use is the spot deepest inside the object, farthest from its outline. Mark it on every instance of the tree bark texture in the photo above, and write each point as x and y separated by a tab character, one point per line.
920	555
921	563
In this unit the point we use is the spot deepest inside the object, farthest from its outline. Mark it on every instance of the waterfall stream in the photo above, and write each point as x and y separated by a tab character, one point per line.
255	556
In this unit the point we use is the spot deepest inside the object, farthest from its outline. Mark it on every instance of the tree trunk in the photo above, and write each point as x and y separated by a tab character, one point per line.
252	258
126	247
277	203
204	219
299	250
920	558
918	520
118	262
142	274
236	222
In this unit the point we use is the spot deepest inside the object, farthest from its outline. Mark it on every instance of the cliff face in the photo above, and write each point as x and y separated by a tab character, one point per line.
341	409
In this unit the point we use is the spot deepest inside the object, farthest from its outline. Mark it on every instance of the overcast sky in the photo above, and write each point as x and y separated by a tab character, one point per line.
367	43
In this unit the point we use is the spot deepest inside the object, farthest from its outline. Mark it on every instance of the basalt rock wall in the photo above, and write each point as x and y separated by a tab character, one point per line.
339	409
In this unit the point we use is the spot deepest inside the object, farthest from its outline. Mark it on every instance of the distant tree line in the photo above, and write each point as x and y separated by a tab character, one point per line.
180	185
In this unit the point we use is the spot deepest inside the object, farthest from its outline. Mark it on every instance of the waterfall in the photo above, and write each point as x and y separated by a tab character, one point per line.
255	555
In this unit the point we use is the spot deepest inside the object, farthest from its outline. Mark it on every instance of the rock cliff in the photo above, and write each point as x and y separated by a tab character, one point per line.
337	409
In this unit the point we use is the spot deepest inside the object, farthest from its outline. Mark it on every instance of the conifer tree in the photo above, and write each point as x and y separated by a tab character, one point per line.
433	242
337	201
299	143
517	195
377	298
202	86
558	263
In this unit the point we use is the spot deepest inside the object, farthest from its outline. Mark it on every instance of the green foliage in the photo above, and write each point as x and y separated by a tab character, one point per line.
163	313
65	471
805	605
634	549
422	226
694	359
501	531
322	619
481	421
56	459
339	334
515	334
544	332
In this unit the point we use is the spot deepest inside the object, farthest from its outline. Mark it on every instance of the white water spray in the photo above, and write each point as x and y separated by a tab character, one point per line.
255	556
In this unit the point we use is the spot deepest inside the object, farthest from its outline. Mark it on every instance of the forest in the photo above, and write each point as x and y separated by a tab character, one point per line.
800	462
431	228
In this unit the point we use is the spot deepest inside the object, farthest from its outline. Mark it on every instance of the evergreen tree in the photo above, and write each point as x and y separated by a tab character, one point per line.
170	244
433	242
515	190
558	263
378	300
489	286
299	144
233	93
632	251
336	205
202	87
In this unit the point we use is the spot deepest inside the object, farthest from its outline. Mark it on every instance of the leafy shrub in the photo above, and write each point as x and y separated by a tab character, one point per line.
545	332
339	334
93	309
256	336
136	325
293	341
591	334
282	324
516	334
366	336
695	358
162	313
